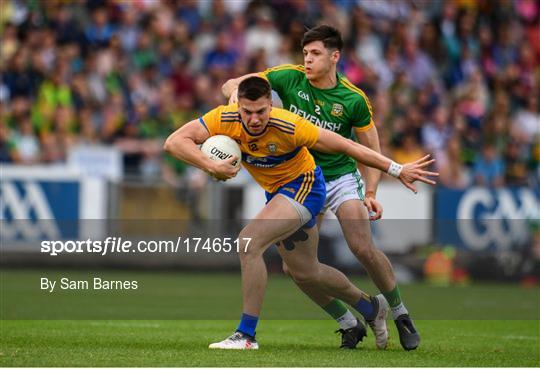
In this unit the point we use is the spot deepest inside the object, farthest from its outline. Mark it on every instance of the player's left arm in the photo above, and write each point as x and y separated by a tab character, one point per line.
408	173
372	176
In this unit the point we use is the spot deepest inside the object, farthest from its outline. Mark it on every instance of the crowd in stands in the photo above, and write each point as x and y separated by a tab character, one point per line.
459	79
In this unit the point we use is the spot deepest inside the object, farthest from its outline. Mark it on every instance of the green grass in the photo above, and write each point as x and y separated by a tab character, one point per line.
193	296
202	308
283	343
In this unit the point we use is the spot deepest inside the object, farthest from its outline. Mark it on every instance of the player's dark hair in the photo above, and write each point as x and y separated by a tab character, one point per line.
253	88
330	37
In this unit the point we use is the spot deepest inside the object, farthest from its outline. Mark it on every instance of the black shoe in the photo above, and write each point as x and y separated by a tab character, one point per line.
408	335
350	337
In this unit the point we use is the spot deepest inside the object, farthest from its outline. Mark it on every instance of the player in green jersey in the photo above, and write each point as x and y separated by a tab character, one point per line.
318	93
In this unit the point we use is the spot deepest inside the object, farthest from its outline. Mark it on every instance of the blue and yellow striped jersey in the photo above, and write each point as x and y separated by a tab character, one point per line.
277	155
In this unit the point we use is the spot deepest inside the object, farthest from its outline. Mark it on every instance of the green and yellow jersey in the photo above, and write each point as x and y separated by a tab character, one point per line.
337	109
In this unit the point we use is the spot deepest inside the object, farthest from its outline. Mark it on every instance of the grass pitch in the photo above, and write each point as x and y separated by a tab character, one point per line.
283	343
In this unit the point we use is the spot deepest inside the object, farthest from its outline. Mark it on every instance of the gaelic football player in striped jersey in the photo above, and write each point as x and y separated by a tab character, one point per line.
274	144
316	92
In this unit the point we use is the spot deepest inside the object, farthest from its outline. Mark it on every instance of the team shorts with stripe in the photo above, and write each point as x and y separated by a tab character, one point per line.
308	190
347	187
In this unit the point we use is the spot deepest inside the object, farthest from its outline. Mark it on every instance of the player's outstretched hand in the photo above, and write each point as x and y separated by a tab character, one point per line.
223	170
414	171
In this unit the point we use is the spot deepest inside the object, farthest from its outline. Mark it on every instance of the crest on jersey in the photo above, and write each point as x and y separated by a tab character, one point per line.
272	147
337	110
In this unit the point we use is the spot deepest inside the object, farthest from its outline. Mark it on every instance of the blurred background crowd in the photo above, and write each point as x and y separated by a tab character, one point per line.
458	79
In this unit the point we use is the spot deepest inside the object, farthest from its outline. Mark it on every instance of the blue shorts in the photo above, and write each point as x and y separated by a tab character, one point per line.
308	189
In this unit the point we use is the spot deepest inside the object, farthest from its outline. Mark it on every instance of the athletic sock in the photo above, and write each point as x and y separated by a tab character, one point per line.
367	306
337	310
399	310
347	320
393	297
247	325
394	300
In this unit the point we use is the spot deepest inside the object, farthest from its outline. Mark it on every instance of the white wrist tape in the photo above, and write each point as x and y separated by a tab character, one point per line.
395	169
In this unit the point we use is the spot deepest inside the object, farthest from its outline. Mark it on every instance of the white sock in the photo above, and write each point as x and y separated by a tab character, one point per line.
399	310
347	320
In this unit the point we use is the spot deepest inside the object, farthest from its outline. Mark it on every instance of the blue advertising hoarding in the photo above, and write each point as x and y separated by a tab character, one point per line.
33	209
484	219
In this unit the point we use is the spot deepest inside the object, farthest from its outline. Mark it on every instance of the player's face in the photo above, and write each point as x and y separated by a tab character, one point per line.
318	60
255	114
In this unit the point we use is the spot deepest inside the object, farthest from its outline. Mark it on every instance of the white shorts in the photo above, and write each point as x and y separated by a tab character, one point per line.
347	187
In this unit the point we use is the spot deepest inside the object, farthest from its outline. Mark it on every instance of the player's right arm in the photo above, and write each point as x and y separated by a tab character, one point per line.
182	144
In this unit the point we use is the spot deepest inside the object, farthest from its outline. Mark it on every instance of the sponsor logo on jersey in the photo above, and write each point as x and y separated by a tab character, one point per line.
337	110
332	126
251	159
303	95
272	147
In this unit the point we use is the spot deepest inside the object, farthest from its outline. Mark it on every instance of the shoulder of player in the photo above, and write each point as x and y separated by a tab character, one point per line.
294	68
351	92
283	119
228	113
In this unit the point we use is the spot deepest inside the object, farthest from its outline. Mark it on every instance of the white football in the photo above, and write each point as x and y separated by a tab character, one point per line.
222	147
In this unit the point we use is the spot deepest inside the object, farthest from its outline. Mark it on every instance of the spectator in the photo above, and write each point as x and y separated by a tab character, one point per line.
516	165
221	58
100	30
368	45
126	73
9	43
472	98
263	35
52	150
417	65
128	31
8	149
435	134
453	174
409	149
237	33
18	78
87	127
527	120
144	54
26	142
489	168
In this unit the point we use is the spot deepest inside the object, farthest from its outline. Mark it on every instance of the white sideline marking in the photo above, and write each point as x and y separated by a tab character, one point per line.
507	337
